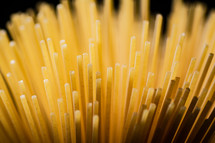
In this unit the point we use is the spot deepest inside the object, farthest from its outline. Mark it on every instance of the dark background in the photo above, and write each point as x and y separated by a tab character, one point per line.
7	7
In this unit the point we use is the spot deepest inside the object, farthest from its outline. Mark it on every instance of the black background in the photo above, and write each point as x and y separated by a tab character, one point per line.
7	7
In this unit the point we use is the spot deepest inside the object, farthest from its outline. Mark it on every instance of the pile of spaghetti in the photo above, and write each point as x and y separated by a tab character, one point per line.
85	73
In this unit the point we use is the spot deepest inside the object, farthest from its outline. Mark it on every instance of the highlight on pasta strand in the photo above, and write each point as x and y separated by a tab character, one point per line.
83	72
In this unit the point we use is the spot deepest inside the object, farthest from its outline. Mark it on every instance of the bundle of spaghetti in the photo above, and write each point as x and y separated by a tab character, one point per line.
84	72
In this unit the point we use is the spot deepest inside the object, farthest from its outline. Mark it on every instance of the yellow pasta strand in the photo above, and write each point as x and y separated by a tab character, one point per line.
84	72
